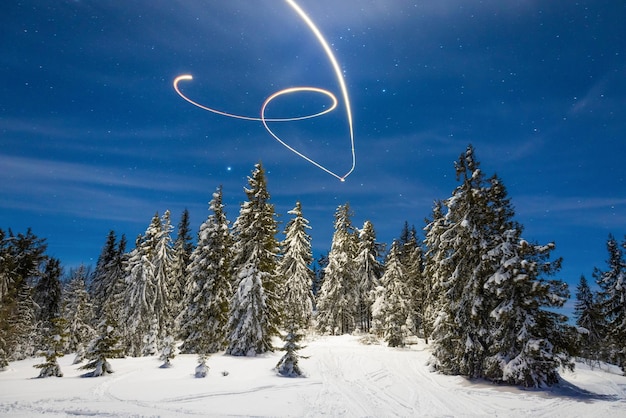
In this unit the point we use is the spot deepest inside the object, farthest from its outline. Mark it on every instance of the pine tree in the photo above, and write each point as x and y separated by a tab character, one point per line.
527	347
434	257
164	281
77	310
288	365
202	369
590	322
248	322
256	311
22	257
140	292
101	285
168	352
320	266
392	305
22	324
461	331
54	345
47	295
149	312
104	347
338	295
368	273
294	267
612	300
108	280
496	317
183	248
207	297
418	288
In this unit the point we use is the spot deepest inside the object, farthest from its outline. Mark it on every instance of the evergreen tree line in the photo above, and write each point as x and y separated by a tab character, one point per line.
473	288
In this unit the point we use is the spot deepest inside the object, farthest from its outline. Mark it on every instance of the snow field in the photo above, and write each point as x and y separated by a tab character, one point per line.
345	379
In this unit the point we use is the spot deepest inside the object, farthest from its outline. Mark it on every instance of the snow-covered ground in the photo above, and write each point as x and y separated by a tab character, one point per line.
345	378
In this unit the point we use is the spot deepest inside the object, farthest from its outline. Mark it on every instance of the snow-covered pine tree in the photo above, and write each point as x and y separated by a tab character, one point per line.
101	285
294	267
589	320
417	284
248	324
104	347
108	280
21	256
140	291
368	273
527	335
47	295
148	306
288	365
496	317
297	291
612	299
202	369
77	310
461	331
183	247
434	256
168	351
392	303
204	319
164	281
256	310
54	343
22	325
336	303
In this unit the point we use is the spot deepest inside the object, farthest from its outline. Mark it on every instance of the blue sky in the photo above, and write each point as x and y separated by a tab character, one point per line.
93	136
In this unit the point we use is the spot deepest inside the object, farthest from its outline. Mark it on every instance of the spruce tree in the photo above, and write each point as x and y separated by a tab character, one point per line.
101	286
256	309
108	280
77	310
140	291
612	300
207	297
496	310
461	331
294	267
528	344
338	296
589	320
104	347
47	295
164	281
434	256
53	347
183	248
392	302
368	273
288	365
21	259
22	338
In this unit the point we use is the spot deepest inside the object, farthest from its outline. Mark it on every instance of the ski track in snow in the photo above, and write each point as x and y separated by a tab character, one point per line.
344	379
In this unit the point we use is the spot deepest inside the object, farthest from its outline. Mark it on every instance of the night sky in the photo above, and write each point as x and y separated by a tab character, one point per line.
93	137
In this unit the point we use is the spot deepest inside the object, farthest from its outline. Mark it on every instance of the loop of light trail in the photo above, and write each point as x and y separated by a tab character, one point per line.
292	90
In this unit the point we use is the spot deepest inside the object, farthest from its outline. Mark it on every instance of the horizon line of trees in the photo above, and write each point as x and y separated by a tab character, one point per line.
473	288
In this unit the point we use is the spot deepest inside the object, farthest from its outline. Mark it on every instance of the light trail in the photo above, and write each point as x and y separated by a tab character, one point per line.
294	90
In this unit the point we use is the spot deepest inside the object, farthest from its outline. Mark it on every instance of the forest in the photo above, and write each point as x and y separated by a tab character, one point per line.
481	296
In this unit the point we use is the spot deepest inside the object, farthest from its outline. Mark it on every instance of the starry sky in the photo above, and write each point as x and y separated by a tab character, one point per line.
93	137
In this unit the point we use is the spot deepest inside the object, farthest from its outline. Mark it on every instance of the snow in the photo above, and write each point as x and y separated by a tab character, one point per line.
344	378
